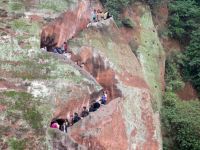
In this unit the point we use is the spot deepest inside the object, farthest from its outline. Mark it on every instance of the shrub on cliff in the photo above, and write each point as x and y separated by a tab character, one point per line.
181	122
192	63
16	144
184	23
127	22
116	7
184	18
173	77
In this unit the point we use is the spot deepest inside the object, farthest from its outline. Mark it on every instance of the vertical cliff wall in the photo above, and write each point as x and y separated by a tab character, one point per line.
135	115
128	63
107	56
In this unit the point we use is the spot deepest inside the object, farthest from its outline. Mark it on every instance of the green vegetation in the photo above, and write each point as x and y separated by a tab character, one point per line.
181	123
116	7
54	5
16	144
184	25
153	3
33	117
191	66
127	22
23	25
20	24
16	6
23	103
151	52
181	119
173	77
184	19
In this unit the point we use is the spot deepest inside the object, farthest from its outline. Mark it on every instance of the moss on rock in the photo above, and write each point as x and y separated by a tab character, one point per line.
16	144
26	104
152	57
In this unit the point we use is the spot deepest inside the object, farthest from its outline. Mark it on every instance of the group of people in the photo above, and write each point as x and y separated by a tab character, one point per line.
50	45
61	50
98	15
63	124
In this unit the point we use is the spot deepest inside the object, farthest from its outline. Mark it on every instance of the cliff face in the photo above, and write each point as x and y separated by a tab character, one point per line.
128	63
135	116
107	56
69	23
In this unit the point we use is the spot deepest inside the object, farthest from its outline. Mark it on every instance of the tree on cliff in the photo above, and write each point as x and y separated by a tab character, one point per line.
184	18
192	63
184	23
180	119
181	122
116	7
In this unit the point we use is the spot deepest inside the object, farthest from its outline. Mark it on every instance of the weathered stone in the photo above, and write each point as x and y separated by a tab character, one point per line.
3	13
59	87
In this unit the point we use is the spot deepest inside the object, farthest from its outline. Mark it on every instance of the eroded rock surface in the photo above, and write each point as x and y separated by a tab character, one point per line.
45	86
106	50
69	23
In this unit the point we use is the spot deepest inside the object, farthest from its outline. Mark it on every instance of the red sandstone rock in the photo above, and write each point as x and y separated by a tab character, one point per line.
97	131
69	23
126	123
103	74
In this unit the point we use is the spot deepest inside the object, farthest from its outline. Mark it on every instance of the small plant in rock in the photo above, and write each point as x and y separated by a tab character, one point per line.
20	25
173	77
127	22
53	5
27	105
16	6
16	144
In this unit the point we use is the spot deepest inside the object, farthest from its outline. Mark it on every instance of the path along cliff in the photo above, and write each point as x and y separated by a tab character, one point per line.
56	87
107	56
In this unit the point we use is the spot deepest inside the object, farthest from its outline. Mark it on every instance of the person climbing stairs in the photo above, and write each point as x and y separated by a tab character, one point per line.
63	124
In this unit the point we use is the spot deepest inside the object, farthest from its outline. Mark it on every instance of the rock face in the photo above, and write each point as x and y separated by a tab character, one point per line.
35	86
69	23
100	52
92	132
27	107
145	44
107	56
128	63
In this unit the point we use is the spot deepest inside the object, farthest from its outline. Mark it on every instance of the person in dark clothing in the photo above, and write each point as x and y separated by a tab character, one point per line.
62	49
58	50
85	112
76	118
97	105
94	106
64	126
91	109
